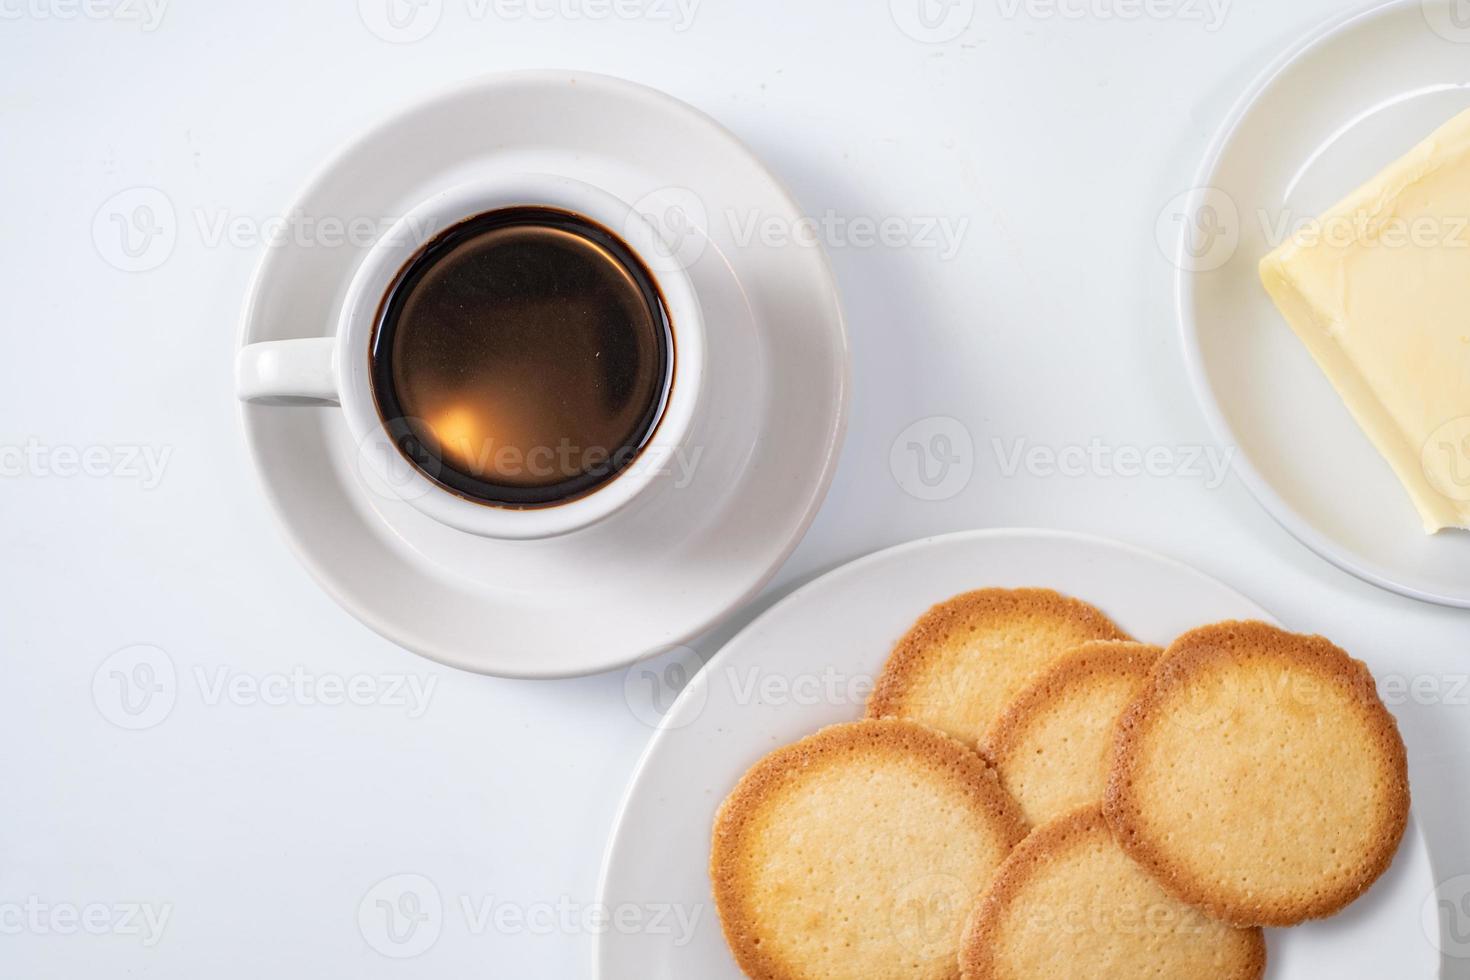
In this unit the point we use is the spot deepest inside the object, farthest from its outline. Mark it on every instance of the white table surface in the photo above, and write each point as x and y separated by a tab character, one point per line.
256	818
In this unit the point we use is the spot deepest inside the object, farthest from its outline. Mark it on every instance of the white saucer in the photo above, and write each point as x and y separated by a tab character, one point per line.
1327	117
808	662
640	582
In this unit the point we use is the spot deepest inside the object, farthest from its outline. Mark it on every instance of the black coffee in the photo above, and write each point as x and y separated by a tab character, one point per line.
523	357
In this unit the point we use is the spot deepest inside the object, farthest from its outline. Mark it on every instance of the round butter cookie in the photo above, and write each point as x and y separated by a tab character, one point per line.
1053	745
1259	776
964	660
858	852
1068	904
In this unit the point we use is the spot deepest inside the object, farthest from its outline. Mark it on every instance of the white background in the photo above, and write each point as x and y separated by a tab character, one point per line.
261	828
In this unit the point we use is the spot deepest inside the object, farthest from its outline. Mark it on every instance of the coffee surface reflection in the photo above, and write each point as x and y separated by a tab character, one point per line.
523	357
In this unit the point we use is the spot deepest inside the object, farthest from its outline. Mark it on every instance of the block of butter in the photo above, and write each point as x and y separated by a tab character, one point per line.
1378	289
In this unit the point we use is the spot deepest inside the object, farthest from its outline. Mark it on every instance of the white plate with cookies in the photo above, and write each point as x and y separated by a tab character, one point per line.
913	767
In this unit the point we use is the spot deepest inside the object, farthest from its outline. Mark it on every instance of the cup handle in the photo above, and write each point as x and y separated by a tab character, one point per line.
288	372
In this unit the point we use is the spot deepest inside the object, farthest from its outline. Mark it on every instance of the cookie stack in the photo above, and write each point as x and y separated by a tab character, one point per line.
1036	795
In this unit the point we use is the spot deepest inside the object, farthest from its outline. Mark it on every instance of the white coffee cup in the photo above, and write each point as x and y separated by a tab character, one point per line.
335	371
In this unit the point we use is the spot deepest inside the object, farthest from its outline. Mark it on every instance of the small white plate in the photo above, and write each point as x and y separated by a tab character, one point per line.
809	662
1322	121
640	582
